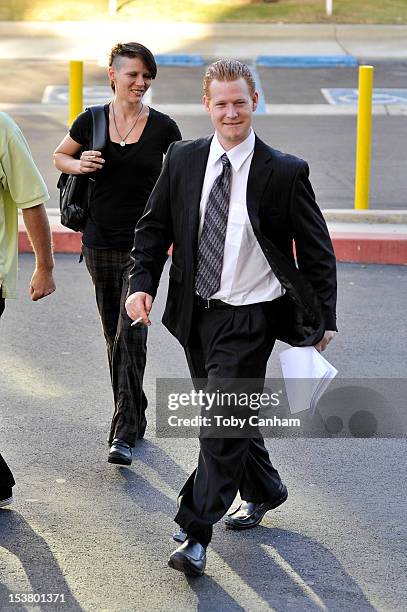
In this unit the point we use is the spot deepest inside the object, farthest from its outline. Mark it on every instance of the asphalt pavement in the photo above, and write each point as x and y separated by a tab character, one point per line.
101	534
182	85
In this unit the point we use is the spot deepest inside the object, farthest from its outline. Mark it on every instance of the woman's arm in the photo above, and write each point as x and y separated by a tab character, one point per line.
65	160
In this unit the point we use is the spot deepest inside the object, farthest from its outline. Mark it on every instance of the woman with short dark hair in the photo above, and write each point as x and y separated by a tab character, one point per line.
125	172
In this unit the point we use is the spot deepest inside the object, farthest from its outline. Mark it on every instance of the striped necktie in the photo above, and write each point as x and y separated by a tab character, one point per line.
212	241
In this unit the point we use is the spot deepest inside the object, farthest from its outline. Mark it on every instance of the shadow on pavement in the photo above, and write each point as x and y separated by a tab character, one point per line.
287	570
290	571
41	567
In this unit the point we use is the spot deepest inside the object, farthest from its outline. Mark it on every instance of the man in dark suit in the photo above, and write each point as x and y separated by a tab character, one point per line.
232	207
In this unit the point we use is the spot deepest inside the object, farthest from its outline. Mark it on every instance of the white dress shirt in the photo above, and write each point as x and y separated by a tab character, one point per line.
246	274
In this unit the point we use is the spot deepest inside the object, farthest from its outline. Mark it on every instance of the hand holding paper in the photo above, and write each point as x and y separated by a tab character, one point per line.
307	375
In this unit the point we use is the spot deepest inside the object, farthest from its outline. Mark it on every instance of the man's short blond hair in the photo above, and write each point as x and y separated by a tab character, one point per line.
228	70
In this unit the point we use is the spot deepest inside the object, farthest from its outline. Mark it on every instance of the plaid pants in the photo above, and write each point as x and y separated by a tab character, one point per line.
126	346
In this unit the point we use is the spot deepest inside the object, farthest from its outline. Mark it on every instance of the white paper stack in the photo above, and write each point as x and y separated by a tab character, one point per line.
307	375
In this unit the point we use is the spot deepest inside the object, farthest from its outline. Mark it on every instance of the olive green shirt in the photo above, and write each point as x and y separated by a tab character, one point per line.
21	186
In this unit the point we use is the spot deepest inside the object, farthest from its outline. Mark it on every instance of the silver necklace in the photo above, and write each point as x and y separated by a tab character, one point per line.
122	142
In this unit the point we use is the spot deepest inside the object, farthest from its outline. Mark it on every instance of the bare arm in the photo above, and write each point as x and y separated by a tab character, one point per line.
65	161
38	230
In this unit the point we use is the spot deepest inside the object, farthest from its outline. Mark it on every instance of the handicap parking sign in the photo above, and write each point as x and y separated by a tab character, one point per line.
350	96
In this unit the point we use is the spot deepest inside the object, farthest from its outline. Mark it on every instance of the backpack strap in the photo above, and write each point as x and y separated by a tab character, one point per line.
99	127
99	139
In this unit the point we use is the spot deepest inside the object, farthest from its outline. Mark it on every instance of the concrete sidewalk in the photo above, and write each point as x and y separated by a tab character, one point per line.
76	40
377	236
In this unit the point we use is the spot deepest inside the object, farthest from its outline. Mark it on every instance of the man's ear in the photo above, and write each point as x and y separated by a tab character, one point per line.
205	102
255	100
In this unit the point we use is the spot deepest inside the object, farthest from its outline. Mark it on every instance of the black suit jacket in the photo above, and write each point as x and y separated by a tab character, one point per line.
281	207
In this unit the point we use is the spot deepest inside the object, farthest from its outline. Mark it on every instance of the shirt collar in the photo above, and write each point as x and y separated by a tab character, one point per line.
237	156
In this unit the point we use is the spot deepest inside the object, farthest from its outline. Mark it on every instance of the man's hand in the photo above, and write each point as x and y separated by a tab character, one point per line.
138	305
323	343
41	284
36	223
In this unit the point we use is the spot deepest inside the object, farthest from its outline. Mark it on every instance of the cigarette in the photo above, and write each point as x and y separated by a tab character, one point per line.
136	322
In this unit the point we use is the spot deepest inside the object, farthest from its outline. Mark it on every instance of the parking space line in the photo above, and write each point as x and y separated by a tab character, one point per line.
179	60
307	61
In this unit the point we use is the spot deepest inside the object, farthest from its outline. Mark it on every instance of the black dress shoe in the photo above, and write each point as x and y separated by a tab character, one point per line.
250	514
180	535
6	496
120	452
189	558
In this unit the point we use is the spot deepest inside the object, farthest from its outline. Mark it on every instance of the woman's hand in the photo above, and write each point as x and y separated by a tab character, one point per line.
90	161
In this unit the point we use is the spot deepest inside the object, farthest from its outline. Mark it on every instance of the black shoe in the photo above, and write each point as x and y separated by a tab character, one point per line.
120	452
6	496
180	535
250	514
189	558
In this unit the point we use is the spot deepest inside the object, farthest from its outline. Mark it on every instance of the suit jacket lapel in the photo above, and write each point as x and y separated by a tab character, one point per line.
259	175
196	167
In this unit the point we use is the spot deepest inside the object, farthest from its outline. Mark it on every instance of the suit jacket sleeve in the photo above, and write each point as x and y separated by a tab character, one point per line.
153	236
314	250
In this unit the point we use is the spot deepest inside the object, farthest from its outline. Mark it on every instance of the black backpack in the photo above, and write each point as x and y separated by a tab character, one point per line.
75	190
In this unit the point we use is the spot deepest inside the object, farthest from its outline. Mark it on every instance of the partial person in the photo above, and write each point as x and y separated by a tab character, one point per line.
232	206
21	186
126	171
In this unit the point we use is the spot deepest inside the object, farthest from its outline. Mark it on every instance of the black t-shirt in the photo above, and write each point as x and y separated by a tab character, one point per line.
123	186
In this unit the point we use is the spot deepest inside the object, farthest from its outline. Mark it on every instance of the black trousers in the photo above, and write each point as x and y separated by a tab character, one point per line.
227	343
6	477
126	345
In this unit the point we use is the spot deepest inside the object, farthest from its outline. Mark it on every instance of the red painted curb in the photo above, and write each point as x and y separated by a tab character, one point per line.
370	248
64	240
349	247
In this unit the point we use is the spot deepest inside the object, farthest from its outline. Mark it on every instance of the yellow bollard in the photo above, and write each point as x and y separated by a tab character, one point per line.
364	130
75	89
